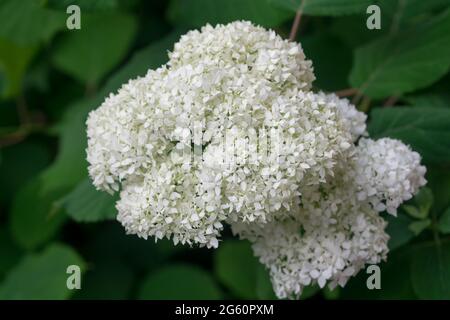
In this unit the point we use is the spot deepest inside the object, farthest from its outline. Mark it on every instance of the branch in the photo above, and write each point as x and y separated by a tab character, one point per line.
20	134
364	106
357	98
390	101
296	24
346	92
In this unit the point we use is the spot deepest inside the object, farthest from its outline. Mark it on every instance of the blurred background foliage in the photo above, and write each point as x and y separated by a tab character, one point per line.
51	77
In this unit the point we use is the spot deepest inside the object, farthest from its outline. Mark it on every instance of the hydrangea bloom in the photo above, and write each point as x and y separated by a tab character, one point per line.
388	173
335	231
229	131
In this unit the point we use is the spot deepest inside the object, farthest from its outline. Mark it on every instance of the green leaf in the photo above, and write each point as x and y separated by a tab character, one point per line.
444	222
35	216
412	211
264	288
426	130
309	291
26	22
396	14
14	61
395	280
85	5
424	201
404	62
396	276
430	271
8	116
70	162
179	282
107	280
331	294
236	267
86	204
334	7
329	75
424	198
36	210
398	231
418	226
429	100
41	276
2	82
197	13
439	181
10	253
88	54
17	157
325	7
419	207
38	78
140	254
352	30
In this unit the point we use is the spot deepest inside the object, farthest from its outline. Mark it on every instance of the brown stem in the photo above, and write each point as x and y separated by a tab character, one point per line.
357	98
346	92
91	89
365	104
12	138
20	134
296	24
28	124
390	101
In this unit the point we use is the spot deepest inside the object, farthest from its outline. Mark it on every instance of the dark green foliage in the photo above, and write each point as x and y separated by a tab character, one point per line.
179	281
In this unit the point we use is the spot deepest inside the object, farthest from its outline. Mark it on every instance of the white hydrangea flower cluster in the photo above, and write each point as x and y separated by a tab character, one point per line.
229	131
387	173
335	230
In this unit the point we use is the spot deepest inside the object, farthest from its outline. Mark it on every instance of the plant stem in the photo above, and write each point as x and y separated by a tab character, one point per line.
296	24
20	134
91	89
357	98
390	101
346	92
365	104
